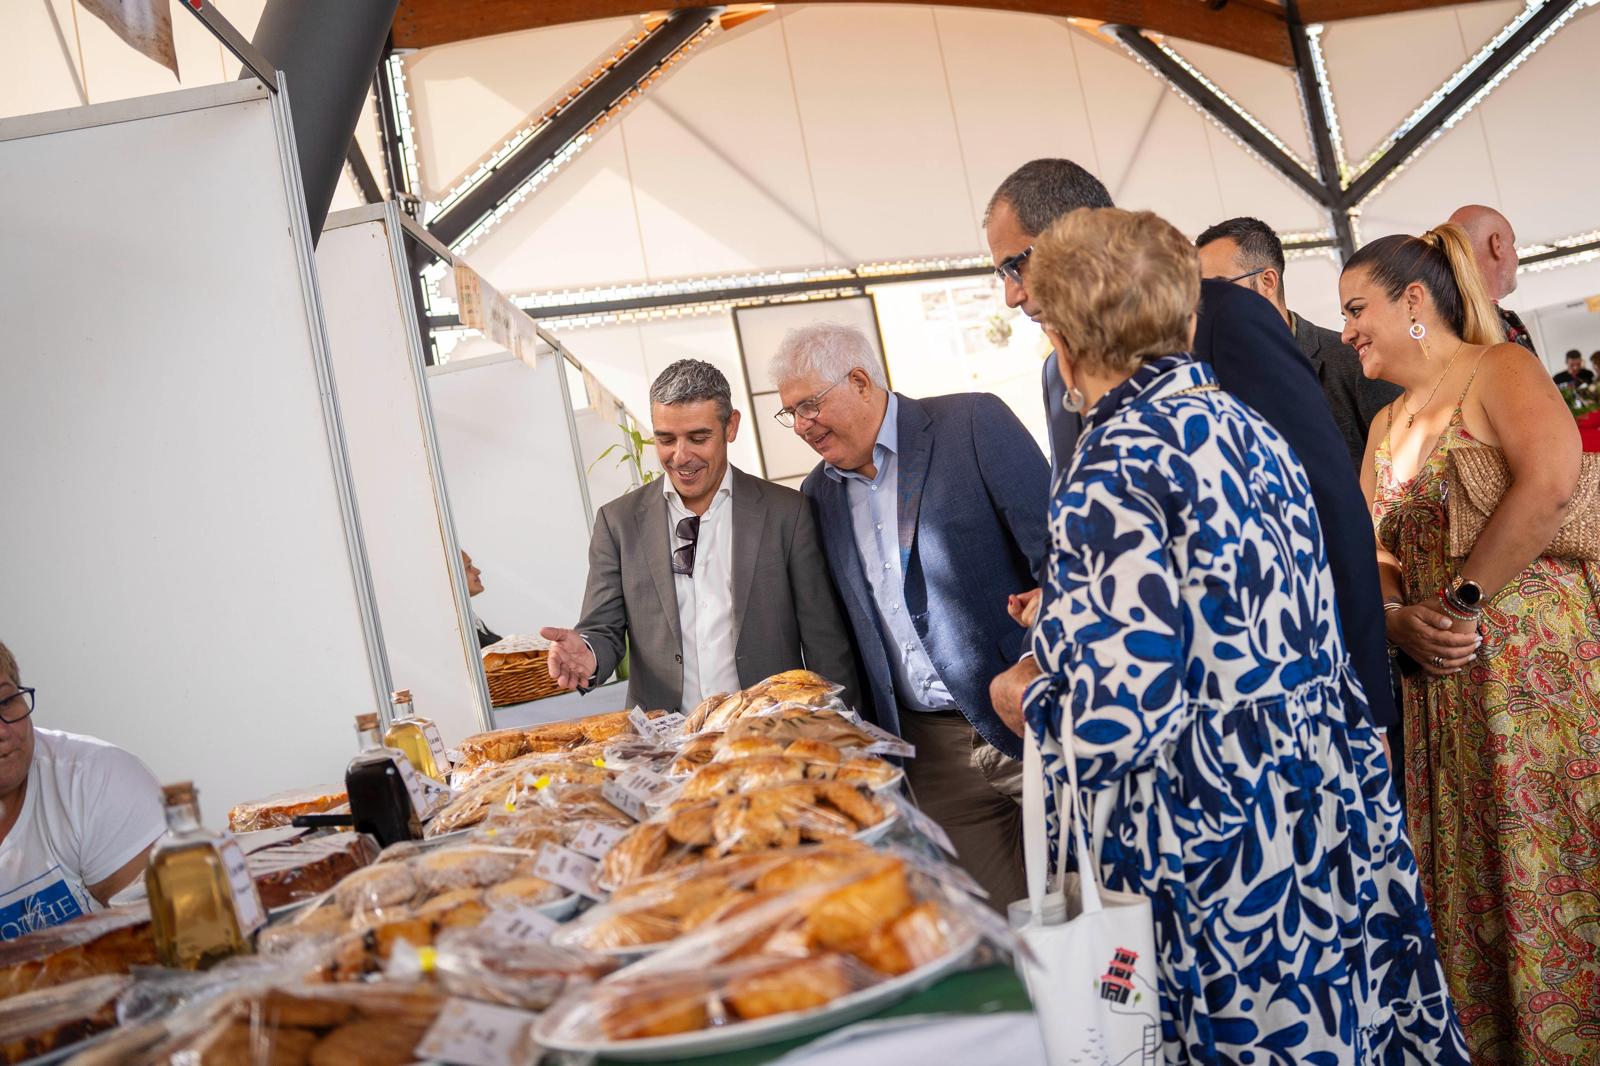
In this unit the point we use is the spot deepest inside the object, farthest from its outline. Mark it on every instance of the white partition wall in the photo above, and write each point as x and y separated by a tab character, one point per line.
506	440
416	567
181	570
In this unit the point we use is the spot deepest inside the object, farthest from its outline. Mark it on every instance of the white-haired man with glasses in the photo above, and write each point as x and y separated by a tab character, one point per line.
931	512
77	816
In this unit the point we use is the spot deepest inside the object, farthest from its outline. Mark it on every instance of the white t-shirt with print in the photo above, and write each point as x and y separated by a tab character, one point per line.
89	808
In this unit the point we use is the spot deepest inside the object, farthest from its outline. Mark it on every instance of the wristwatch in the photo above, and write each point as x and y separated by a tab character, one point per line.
1467	594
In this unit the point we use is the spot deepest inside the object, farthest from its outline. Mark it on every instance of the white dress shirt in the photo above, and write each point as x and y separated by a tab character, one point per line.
875	520
705	598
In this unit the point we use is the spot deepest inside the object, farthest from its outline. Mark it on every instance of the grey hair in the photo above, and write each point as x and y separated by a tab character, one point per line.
1044	190
693	381
8	665
826	350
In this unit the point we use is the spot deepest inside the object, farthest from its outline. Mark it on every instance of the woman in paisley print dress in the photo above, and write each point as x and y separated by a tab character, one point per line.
1503	740
1188	629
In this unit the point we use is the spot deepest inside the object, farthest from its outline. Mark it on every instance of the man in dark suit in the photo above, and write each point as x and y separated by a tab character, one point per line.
710	579
1246	252
1255	359
931	511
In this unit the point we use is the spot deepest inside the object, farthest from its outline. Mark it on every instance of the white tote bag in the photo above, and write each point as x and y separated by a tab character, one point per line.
1092	976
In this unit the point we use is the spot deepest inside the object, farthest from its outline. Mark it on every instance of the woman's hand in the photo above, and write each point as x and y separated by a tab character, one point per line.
1432	638
1006	690
1023	607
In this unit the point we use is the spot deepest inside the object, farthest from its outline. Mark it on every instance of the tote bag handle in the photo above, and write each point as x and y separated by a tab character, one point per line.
1042	878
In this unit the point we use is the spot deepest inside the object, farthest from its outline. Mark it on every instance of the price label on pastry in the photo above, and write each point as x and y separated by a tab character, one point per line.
441	757
565	867
640	721
597	838
668	725
413	781
521	924
885	742
246	902
478	1034
637	791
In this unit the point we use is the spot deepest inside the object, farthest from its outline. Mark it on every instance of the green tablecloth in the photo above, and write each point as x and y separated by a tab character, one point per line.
985	991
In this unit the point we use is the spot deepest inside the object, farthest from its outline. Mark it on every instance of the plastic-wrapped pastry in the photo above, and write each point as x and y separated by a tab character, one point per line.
822	758
695	753
49	1019
281	808
788	986
867	770
636	854
105	942
304	868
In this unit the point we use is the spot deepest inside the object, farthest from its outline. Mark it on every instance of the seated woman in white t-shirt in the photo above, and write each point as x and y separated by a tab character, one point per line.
77	816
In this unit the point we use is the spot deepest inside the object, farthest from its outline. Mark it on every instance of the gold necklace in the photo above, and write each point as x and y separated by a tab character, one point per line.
1411	416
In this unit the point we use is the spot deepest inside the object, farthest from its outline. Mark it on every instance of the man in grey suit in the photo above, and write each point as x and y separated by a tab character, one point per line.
710	579
1246	252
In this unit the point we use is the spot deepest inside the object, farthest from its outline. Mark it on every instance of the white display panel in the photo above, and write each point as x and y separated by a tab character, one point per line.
416	569
506	443
183	573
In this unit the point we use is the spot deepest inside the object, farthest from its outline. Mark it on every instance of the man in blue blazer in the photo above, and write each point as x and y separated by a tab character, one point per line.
1242	336
931	513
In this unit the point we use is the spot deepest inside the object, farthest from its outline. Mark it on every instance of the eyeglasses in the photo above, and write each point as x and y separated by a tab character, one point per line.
807	409
1010	268
21	700
1247	274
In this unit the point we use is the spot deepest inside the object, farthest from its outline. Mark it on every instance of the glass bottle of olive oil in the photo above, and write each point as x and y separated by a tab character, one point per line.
387	798
417	737
203	903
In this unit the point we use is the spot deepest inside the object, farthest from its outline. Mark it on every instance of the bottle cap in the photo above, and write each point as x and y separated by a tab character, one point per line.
365	722
400	696
177	792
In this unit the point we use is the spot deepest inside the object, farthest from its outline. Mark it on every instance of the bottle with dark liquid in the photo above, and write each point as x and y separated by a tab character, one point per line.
203	904
386	795
417	737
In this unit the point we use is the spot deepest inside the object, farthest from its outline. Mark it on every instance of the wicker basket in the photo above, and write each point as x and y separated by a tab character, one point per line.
522	680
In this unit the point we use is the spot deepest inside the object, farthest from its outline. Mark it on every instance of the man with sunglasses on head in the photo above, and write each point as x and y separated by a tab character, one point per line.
1256	359
1246	252
710	580
931	512
77	816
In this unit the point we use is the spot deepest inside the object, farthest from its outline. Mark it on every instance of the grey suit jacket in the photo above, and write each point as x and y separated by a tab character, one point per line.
785	611
1354	398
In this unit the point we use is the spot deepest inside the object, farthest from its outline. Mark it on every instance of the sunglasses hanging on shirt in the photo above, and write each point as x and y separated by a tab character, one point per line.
683	554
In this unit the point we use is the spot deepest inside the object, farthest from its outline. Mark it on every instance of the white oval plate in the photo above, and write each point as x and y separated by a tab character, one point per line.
741	1035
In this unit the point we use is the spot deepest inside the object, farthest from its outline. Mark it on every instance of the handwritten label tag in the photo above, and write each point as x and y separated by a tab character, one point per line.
597	838
478	1034
246	902
521	924
413	782
441	757
640	721
668	725
885	742
565	867
637	791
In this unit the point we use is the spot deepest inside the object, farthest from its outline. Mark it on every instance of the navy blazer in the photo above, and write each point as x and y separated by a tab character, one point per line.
974	491
1257	359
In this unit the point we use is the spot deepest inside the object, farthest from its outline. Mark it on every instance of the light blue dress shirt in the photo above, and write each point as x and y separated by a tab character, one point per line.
875	520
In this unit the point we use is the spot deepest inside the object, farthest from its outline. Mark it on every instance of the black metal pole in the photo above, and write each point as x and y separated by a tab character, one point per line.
328	53
1321	131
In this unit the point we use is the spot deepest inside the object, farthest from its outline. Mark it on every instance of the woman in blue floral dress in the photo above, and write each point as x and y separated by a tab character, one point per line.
1188	628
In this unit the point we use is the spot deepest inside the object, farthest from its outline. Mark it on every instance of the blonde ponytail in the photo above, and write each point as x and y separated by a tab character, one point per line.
1481	323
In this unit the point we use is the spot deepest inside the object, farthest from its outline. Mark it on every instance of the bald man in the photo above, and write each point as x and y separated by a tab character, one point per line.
1494	245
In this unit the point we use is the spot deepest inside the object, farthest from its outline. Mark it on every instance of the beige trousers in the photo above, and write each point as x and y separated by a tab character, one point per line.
974	792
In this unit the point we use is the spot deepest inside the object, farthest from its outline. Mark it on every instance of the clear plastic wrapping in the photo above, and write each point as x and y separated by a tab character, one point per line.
760	762
303	869
688	831
485	965
281	808
106	942
811	926
511	785
49	1019
484	750
799	688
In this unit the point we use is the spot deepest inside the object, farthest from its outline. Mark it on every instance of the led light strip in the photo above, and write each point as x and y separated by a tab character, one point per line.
1577	240
1465	71
395	72
1319	70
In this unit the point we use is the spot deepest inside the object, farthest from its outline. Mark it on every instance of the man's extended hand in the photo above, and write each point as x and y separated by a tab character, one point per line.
571	663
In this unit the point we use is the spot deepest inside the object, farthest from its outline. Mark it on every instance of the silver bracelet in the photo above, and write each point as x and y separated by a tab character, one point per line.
1392	605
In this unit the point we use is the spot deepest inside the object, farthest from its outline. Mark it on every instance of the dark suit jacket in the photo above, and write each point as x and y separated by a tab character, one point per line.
1243	338
785	614
973	492
1354	399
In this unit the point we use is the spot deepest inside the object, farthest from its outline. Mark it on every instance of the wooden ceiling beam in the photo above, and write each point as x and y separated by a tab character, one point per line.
1249	28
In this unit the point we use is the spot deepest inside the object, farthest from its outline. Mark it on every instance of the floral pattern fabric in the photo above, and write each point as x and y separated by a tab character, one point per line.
1503	788
1188	628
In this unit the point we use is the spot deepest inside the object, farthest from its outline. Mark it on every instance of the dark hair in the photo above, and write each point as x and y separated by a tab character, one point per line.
1259	246
1573	353
693	381
1441	261
1044	190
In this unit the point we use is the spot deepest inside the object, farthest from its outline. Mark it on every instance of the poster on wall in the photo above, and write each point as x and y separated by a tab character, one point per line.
785	458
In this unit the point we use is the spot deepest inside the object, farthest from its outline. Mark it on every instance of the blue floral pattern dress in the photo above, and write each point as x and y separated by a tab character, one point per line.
1188	627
